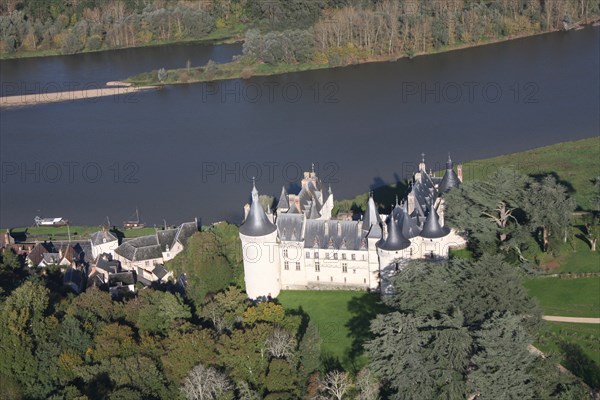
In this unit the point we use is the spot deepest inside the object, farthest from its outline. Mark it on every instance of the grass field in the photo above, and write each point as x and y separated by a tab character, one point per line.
575	164
578	297
587	336
342	318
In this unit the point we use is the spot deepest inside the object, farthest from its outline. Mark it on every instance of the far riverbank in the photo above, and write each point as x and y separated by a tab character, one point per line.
242	69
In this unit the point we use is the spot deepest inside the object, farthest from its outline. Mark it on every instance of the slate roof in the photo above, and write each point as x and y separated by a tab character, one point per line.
284	201
450	179
334	234
432	228
256	223
106	263
185	231
395	240
101	237
160	271
371	223
75	278
289	227
36	255
123	278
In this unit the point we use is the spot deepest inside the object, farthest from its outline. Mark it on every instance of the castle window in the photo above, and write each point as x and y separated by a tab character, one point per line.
363	257
344	279
286	266
396	266
297	266
354	271
285	253
326	255
308	254
365	280
316	254
331	278
343	256
411	251
335	256
147	263
353	256
317	278
344	267
317	266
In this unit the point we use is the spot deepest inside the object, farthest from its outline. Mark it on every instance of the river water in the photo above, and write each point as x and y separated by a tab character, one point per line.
191	151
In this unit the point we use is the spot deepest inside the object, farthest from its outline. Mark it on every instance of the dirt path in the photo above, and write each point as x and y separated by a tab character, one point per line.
41	98
575	320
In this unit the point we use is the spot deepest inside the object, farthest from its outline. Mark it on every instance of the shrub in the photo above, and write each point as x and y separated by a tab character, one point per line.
246	73
94	42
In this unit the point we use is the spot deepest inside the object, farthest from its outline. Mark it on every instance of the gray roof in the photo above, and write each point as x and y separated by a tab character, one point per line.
432	228
166	238
450	179
289	227
185	231
123	278
293	209
75	278
395	240
51	258
257	223
372	220
334	234
102	236
160	271
410	225
140	249
106	263
283	202
313	213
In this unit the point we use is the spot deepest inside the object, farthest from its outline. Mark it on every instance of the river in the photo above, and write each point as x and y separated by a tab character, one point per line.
191	151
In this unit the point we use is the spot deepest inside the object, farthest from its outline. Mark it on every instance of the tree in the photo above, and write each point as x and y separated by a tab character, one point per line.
225	309
487	209
10	261
282	377
591	231
281	344
367	385
162	74
550	210
420	357
210	69
336	385
156	312
205	384
503	362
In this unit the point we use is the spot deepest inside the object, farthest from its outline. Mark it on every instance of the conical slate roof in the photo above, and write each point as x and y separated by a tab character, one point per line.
372	220
450	179
410	226
432	228
313	213
257	223
283	199
395	239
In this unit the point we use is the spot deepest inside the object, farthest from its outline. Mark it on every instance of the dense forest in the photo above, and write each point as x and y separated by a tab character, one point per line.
334	31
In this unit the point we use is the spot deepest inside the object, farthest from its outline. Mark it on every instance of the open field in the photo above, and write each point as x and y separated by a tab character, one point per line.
342	318
574	163
579	297
584	335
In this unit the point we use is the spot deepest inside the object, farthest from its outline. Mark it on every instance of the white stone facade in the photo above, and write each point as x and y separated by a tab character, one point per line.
304	249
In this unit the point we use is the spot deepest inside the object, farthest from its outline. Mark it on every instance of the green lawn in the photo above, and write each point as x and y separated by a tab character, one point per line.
578	297
342	318
574	163
587	336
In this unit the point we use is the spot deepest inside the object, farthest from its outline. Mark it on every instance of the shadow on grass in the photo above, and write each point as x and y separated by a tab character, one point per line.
580	364
363	309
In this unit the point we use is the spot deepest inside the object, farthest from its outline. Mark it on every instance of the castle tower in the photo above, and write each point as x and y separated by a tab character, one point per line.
433	236
371	227
450	179
260	252
391	249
